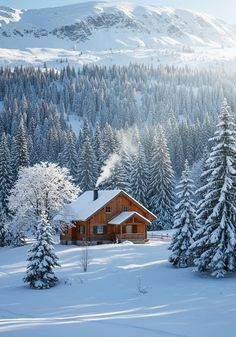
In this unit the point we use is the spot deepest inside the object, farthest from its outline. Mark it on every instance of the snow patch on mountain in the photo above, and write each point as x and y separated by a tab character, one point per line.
9	15
108	32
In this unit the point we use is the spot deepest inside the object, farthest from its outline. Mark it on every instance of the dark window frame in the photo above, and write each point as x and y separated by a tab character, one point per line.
108	209
104	229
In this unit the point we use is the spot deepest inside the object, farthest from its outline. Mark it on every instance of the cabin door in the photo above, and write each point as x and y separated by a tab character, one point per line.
129	229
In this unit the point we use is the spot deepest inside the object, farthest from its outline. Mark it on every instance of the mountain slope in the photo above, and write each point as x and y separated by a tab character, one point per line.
99	27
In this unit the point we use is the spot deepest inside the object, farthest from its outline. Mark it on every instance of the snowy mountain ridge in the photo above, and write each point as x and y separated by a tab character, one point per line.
100	28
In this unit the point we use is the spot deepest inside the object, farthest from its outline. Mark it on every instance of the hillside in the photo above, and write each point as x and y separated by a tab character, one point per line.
112	32
106	300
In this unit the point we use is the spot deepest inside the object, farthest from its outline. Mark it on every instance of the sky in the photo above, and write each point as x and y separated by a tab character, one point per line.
225	9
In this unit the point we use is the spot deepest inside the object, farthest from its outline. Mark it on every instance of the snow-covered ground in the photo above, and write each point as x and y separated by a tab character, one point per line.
106	302
59	58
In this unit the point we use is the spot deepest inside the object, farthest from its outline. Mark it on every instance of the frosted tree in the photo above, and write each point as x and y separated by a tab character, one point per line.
4	230
22	146
99	148
139	176
42	258
69	156
184	222
6	179
215	242
161	191
87	166
16	236
43	188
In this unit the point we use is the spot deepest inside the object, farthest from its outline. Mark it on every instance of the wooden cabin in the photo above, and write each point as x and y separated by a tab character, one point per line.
105	216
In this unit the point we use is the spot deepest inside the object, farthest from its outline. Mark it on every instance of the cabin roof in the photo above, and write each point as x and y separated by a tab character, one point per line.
82	208
122	217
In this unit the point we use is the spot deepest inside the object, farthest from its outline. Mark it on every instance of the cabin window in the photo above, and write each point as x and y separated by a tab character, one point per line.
81	229
99	229
125	208
108	209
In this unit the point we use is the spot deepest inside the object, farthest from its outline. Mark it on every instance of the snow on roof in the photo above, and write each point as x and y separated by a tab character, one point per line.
85	206
125	216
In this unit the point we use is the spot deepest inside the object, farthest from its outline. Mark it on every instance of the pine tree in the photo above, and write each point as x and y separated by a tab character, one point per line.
42	258
6	179
22	146
139	176
162	184
99	148
184	222
3	229
87	167
69	157
215	242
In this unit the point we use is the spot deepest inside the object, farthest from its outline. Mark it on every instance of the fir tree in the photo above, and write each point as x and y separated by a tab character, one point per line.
215	242
23	155
162	183
4	232
139	176
42	259
87	167
6	179
69	157
184	222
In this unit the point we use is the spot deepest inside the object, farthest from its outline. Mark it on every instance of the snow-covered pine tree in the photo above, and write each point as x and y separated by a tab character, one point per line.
22	146
198	175
87	167
98	147
3	229
184	222
6	179
139	176
42	258
69	156
214	244
162	194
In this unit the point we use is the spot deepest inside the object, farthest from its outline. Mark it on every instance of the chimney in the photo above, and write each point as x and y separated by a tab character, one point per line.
95	195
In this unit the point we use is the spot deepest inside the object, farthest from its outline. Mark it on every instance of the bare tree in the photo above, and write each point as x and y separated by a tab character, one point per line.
85	259
142	290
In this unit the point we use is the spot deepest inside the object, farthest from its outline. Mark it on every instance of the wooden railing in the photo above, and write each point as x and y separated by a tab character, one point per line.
131	236
157	237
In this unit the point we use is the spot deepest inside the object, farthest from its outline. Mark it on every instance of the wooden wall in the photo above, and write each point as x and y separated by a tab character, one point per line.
118	204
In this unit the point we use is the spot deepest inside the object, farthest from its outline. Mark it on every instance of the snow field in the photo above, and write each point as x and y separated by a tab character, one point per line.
129	290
